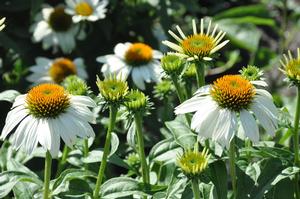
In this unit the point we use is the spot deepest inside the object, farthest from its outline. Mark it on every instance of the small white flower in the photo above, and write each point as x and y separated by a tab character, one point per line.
56	70
90	10
219	106
2	25
200	45
44	115
55	29
137	59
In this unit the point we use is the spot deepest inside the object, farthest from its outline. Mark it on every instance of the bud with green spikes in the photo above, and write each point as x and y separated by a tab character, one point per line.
133	160
75	85
251	73
172	64
163	89
190	71
136	101
193	163
112	89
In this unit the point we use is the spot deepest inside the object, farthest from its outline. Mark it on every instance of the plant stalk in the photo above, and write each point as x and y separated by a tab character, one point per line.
232	167
296	143
47	174
195	188
63	160
112	119
200	70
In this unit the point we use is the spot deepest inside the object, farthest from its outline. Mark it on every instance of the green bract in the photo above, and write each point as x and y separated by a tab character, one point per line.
172	64
251	73
75	86
136	101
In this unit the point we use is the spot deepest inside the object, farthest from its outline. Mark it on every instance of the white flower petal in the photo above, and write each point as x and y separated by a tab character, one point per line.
120	50
83	101
193	104
138	78
249	126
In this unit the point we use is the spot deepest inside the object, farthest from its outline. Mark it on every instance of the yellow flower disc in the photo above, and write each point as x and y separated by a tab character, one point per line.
138	53
198	45
84	9
47	100
61	68
293	69
59	20
233	92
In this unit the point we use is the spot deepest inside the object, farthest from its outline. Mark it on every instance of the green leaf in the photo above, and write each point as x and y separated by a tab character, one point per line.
131	136
165	151
182	133
286	173
62	183
244	35
114	144
121	187
218	175
9	95
253	170
208	190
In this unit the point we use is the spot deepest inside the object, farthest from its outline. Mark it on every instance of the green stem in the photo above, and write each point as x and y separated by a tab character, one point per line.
47	174
62	162
232	167
85	151
178	88
195	187
296	143
112	119
200	70
141	146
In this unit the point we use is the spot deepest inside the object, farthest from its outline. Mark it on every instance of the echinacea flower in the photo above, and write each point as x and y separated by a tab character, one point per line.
193	163
291	67
55	28
44	115
137	59
198	46
2	25
90	10
56	70
219	106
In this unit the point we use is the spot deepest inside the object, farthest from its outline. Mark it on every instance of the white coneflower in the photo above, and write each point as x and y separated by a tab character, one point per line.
291	67
55	28
138	59
199	45
219	106
2	25
44	115
56	70
90	10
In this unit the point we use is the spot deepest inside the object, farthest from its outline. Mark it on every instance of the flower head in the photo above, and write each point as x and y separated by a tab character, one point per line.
163	89
193	163
2	25
199	45
219	106
112	89
75	86
291	67
251	73
136	101
90	10
44	115
190	71
56	70
172	64
137	59
133	160
55	28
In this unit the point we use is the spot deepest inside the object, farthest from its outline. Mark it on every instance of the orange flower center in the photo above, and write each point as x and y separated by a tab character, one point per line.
232	92
59	20
138	54
84	9
198	45
47	100
61	68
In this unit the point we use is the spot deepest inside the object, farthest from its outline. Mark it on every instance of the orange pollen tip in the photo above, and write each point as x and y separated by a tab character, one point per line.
61	68
199	45
84	9
233	92
138	53
47	100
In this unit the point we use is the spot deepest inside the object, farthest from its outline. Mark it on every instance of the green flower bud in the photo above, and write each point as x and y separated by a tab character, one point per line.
193	163
75	86
251	73
172	64
190	72
112	89
163	89
135	100
291	67
133	160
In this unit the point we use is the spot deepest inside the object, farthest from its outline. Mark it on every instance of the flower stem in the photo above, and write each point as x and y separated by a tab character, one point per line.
112	119
195	187
63	160
47	174
140	139
200	70
178	88
232	167
296	143
85	151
